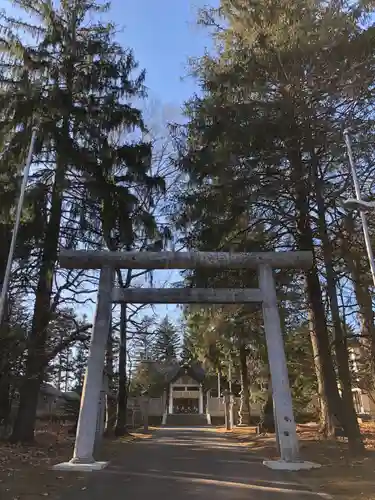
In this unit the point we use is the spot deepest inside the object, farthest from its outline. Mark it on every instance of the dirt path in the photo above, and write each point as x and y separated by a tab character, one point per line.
188	463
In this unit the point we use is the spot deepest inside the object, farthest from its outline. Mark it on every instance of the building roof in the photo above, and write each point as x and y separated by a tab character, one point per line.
71	396
195	371
49	390
172	371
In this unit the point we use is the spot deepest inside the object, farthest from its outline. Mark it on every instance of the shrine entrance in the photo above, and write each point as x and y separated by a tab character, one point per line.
185	405
265	295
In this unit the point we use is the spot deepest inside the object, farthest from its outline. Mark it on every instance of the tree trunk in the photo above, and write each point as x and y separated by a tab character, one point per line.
110	400
5	367
5	402
35	362
363	296
349	415
122	395
362	283
267	419
327	426
60	368
6	236
244	412
319	334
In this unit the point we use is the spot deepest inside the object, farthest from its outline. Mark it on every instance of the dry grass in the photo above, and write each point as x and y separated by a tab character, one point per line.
341	475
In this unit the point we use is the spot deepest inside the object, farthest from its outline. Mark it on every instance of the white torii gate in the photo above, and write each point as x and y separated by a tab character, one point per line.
265	294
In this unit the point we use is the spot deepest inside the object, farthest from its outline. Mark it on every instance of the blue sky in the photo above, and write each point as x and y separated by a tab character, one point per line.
163	35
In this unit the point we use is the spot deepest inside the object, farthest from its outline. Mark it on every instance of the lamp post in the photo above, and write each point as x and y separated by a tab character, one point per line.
358	203
5	284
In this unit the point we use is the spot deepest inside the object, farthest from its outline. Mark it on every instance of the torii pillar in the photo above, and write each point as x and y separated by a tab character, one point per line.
83	455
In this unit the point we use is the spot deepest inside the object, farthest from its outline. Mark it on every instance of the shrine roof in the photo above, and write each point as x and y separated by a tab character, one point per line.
173	371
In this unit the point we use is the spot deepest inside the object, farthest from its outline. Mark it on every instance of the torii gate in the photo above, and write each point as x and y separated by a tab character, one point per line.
265	294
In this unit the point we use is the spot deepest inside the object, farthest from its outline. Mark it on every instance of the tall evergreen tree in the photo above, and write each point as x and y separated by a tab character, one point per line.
79	367
70	77
167	342
264	141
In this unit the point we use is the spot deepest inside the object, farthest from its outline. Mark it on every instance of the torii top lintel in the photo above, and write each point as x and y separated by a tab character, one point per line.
90	259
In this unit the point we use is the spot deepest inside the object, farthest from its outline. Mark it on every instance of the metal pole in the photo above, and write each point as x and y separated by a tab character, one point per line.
230	376
357	189
5	284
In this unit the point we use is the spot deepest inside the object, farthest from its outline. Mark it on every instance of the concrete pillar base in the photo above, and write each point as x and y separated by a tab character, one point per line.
291	466
80	467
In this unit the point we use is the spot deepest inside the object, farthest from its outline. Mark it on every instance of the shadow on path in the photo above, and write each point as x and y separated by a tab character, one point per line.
189	463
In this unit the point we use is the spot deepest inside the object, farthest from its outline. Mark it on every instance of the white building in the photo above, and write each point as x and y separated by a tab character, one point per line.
189	397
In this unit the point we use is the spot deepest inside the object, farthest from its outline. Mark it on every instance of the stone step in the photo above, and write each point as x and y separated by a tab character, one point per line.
186	420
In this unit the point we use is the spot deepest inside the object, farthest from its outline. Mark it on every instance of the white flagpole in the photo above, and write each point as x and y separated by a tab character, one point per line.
5	284
357	189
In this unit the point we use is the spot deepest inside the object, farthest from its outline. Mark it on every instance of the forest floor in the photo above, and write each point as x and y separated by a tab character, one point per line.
25	472
342	476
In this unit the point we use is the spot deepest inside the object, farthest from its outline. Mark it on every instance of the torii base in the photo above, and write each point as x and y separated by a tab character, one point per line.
80	467
290	466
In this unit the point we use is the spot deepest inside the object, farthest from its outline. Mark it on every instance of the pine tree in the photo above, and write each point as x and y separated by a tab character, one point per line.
80	362
264	142
71	78
188	353
167	342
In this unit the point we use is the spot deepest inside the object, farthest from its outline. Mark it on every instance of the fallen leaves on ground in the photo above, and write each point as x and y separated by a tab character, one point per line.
341	475
25	470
